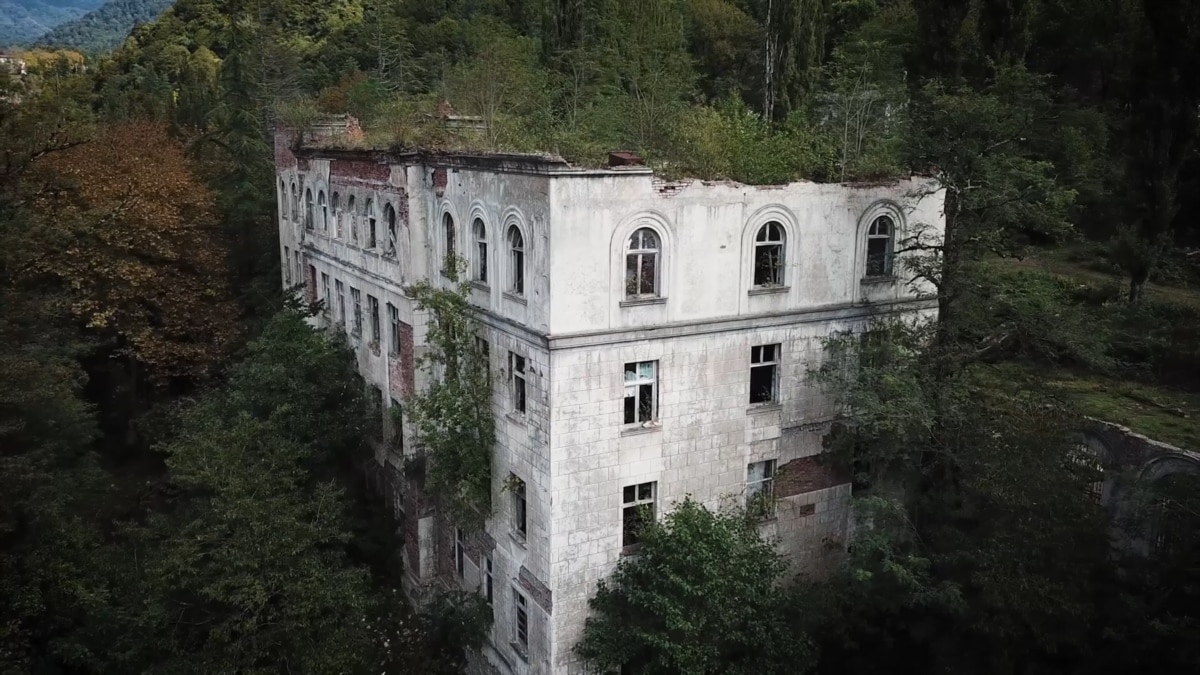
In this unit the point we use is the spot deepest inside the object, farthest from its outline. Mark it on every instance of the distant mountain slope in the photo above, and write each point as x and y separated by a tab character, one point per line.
106	27
23	21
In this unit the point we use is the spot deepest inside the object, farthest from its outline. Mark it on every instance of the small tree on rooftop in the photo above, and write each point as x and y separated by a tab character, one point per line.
453	414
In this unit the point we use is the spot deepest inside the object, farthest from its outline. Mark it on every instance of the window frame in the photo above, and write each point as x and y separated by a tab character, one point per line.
327	307
394	320
640	381
520	621
372	242
287	266
639	254
340	289
479	266
283	200
520	506
373	312
294	207
633	501
486	578
759	360
449	247
756	505
308	210
889	242
391	229
335	206
356	300
763	242
351	205
323	211
515	240
518	382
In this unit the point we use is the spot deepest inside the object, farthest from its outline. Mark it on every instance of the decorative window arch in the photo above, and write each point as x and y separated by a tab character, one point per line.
516	260
308	209
369	214
283	200
881	236
770	245
294	207
353	216
643	264
323	211
389	219
479	261
335	205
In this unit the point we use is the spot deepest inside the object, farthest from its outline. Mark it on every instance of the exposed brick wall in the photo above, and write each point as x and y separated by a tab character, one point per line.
401	376
284	159
440	180
536	590
807	474
349	171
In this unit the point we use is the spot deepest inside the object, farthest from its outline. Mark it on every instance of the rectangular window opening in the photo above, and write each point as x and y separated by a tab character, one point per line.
356	300
373	307
637	511
487	579
760	489
394	320
521	625
341	301
764	374
520	512
516	367
641	393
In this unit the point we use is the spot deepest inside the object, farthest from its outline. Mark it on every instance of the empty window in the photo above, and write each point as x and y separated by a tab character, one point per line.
480	273
287	265
641	392
353	216
516	369
637	512
389	218
299	269
326	299
397	418
308	209
356	300
641	264
521	625
760	488
283	200
323	211
294	209
373	308
341	302
448	262
879	247
394	320
459	551
520	515
369	212
764	374
335	203
768	255
485	357
487	578
516	260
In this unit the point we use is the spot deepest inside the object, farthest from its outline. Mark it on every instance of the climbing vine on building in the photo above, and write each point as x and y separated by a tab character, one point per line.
453	414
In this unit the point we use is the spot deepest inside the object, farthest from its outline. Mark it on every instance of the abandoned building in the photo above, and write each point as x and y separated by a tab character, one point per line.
647	340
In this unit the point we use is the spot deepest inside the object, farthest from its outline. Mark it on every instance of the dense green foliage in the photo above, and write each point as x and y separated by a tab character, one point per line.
105	27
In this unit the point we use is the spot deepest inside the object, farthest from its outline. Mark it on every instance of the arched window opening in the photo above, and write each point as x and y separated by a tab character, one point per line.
480	266
294	207
335	204
353	216
369	212
879	247
768	255
448	263
323	211
642	265
308	209
389	218
516	257
283	200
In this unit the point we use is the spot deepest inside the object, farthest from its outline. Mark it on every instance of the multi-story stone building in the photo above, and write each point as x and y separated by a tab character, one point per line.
648	340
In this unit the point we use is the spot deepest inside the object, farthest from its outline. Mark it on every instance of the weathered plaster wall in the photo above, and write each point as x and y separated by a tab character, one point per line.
708	230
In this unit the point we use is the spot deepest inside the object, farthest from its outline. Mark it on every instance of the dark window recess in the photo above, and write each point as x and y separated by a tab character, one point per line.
517	368
487	579
764	370
637	512
879	247
520	513
641	392
768	255
521	625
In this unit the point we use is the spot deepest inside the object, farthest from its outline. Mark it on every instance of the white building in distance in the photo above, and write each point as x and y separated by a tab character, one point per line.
648	340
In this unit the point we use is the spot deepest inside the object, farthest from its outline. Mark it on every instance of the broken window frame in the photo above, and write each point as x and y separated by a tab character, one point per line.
516	261
294	206
765	357
485	569
283	200
644	410
760	488
340	289
518	383
520	621
335	204
520	506
390	220
880	245
356	300
479	264
353	215
643	249
308	209
327	306
373	309
769	251
323	210
394	320
638	510
369	213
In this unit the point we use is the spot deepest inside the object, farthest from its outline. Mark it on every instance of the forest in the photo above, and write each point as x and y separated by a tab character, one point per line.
182	457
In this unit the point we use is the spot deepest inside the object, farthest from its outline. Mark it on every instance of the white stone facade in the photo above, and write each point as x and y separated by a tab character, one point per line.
579	320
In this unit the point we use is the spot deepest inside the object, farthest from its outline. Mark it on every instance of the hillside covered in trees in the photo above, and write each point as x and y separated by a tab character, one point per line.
22	21
105	27
181	457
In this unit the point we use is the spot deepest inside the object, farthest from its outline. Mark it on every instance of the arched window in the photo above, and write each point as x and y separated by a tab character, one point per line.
283	200
323	211
448	239
480	270
294	208
389	218
335	204
641	264
516	260
879	247
369	213
308	209
353	216
768	255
